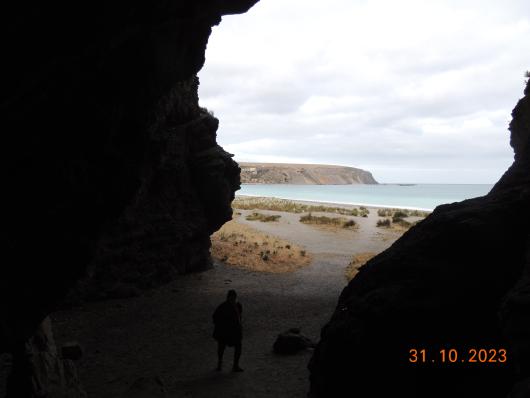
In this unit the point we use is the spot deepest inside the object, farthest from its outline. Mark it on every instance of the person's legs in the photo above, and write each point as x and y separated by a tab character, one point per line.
237	355
220	351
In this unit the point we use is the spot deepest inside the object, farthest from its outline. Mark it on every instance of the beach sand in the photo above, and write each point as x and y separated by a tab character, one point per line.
166	333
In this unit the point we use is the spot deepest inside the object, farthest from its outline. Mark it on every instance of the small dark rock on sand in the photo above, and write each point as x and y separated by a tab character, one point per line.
291	342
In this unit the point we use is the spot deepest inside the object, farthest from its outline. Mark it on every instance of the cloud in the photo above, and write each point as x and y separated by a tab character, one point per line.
405	89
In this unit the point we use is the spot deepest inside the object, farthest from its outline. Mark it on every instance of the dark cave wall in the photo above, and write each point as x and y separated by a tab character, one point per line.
184	196
460	279
108	152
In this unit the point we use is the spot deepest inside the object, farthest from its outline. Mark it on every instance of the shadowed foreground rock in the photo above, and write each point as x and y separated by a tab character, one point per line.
109	159
458	280
39	370
291	341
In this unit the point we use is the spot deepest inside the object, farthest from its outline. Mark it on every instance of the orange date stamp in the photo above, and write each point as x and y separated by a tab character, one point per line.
458	356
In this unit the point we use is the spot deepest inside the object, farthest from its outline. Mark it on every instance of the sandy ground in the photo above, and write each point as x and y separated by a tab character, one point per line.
245	247
166	333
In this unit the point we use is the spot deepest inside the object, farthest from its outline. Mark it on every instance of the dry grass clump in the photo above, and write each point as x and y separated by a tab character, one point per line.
348	224
396	223
262	217
384	212
402	213
398	218
386	223
401	223
244	247
418	213
324	220
274	204
399	215
363	211
357	262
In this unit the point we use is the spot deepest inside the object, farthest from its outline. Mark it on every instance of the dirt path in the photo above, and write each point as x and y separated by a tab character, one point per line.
166	333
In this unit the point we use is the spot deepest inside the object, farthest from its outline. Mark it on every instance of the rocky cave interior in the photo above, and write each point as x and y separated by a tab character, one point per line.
115	182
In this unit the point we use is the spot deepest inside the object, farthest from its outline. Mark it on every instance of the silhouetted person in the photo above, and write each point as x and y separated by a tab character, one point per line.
228	330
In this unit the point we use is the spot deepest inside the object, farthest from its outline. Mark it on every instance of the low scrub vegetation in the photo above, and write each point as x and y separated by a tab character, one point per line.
323	220
348	224
396	222
363	211
396	218
418	213
402	213
384	212
384	223
401	222
263	217
273	204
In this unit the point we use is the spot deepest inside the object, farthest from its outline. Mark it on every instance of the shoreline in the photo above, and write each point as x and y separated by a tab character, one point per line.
311	201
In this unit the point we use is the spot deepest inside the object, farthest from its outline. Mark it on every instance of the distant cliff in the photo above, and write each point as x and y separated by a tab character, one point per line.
303	174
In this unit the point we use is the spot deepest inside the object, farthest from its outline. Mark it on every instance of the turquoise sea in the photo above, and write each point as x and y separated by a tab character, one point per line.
409	196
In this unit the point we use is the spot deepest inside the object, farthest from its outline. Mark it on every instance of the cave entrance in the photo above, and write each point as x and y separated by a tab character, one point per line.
350	126
346	119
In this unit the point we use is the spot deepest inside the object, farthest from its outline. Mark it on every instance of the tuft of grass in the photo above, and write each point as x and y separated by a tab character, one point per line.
398	216
418	213
384	212
324	220
402	223
401	213
311	219
262	217
383	223
363	211
348	224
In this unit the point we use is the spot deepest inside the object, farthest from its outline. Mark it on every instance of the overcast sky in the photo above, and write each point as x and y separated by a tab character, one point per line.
413	91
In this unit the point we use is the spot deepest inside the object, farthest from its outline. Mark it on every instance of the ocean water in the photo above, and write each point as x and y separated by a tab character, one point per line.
415	196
